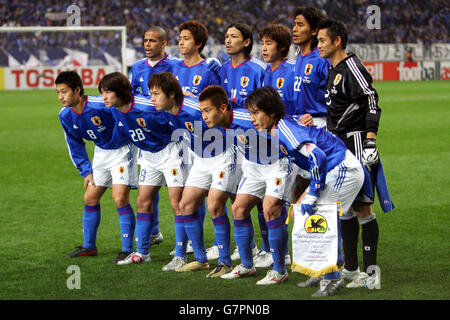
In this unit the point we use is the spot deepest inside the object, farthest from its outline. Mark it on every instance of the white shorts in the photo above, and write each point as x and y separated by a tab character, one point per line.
219	172
116	166
275	180
165	167
343	183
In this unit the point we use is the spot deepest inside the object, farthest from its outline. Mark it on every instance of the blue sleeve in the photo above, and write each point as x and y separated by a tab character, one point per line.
77	151
134	80
317	161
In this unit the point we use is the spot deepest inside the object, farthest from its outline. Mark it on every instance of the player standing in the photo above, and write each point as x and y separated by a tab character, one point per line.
335	173
353	115
193	72
311	70
113	164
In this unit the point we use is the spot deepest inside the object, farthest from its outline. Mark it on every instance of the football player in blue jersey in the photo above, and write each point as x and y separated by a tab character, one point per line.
335	173
193	72
113	164
265	178
212	174
242	73
311	71
161	160
239	76
275	44
156	60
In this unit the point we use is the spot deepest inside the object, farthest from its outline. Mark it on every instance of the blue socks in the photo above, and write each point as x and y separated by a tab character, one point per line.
243	236
127	225
278	237
180	237
144	223
222	234
155	228
263	228
194	231
91	221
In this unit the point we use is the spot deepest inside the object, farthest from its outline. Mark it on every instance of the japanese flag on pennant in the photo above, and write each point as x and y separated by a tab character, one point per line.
315	241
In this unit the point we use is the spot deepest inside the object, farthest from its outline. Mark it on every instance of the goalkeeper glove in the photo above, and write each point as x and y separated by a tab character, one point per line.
370	152
308	204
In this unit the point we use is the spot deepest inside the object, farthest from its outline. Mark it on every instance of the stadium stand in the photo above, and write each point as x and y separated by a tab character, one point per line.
402	21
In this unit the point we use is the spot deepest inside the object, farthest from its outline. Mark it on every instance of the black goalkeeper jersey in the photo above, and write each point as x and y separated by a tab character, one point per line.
351	100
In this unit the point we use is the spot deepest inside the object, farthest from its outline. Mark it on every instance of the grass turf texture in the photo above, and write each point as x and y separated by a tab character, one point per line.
42	200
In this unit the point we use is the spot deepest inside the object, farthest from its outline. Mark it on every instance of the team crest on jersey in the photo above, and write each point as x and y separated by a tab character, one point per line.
337	79
221	174
121	169
316	224
278	181
197	79
308	69
242	139
174	172
96	120
283	149
280	83
189	126
141	122
244	81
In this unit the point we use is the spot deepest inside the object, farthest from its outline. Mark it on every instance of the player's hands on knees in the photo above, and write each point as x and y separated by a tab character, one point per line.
308	204
306	120
370	153
88	180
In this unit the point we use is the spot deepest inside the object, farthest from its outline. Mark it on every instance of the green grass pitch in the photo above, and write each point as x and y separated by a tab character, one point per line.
41	203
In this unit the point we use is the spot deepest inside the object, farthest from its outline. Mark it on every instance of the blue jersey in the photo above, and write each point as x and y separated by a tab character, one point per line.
195	78
95	123
282	79
145	127
328	152
142	71
239	81
204	142
311	73
255	147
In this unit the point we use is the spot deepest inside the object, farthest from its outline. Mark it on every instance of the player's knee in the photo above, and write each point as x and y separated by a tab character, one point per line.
238	211
144	204
90	199
362	210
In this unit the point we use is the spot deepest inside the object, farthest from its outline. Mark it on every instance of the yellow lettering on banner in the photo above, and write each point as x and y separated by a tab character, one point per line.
2	79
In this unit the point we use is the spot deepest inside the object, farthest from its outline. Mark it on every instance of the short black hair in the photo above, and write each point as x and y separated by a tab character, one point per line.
314	16
118	83
268	100
71	79
335	29
168	84
280	34
216	94
247	33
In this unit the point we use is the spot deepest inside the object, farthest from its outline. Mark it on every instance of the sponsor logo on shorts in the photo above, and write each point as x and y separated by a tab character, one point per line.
174	172
316	224
278	181
221	174
121	169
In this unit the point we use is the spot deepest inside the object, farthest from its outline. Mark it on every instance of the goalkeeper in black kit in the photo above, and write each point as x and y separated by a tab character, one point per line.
353	115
